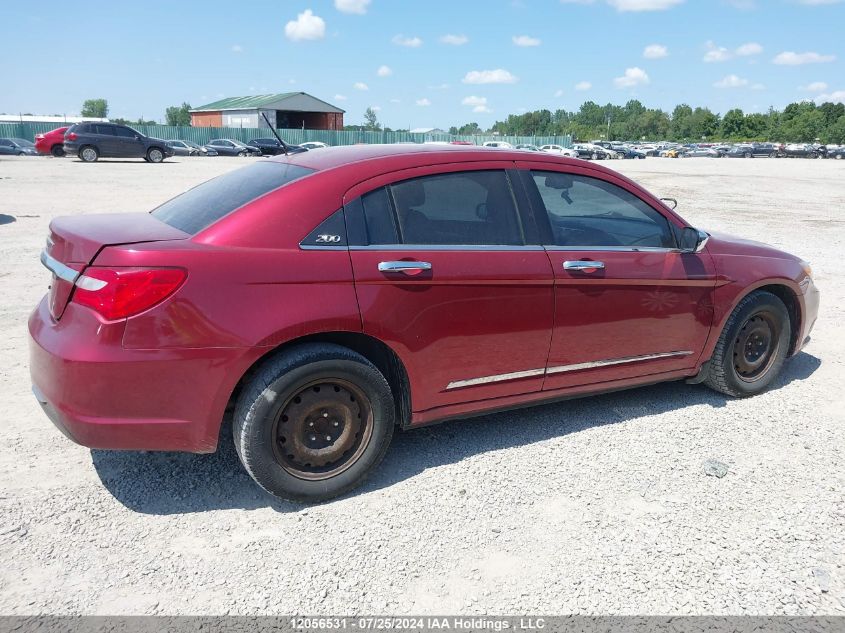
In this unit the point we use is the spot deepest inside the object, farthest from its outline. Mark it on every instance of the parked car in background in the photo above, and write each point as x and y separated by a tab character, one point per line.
181	148
630	153
528	147
90	141
231	147
803	150
51	142
461	143
498	144
560	150
673	152
837	153
319	145
700	152
608	148
590	152
309	299
267	146
17	147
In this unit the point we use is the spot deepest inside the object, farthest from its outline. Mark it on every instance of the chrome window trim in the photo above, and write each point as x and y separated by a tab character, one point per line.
457	384
445	247
528	373
56	267
559	369
615	249
310	247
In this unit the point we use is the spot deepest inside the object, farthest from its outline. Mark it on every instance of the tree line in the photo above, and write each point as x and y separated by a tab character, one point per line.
800	122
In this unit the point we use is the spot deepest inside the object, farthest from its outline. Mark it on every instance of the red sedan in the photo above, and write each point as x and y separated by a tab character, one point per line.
326	297
51	142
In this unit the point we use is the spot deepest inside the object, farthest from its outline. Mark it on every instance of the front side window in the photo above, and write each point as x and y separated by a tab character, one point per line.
125	132
585	211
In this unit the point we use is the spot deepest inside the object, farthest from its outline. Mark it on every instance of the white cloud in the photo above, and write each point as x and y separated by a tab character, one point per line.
481	109
375	108
340	97
474	101
396	101
643	5
731	81
525	40
306	26
716	53
497	76
789	58
655	51
835	97
410	42
558	93
632	5
384	71
454	40
237	48
816	3
633	77
352	6
816	86
423	102
581	86
751	48
360	85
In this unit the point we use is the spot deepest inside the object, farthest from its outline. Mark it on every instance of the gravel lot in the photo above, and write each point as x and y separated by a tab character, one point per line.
598	506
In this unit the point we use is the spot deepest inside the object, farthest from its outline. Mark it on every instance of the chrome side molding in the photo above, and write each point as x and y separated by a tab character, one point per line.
559	369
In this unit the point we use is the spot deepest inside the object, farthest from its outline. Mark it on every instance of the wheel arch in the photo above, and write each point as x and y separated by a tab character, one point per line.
783	289
377	352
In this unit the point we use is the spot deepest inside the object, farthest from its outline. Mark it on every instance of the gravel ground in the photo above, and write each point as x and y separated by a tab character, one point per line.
598	506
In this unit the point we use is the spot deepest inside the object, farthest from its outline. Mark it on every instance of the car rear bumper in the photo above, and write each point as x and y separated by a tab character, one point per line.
101	395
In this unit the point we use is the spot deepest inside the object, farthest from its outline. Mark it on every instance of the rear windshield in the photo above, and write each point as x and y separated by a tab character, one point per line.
203	205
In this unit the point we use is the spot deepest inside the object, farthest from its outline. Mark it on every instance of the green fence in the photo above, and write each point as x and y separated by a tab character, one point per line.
202	135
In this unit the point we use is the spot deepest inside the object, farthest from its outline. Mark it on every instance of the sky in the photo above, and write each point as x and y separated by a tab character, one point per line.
432	63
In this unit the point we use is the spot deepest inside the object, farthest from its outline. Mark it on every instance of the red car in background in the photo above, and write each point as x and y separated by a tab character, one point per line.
323	298
51	142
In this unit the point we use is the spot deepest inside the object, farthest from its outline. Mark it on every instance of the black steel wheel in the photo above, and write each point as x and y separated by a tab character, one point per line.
752	347
57	150
313	422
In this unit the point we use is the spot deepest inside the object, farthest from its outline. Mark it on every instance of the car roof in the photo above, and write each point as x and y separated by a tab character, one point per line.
381	158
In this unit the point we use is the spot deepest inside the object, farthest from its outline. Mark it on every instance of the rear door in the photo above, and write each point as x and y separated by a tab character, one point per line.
628	303
446	274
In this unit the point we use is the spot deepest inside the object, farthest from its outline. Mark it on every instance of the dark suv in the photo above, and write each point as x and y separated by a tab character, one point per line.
90	141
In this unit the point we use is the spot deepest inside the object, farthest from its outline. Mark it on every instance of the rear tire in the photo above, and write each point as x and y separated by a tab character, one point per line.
748	155
155	155
242	154
89	154
752	348
286	419
57	150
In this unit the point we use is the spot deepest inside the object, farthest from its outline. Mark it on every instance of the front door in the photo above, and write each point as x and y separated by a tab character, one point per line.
628	303
444	275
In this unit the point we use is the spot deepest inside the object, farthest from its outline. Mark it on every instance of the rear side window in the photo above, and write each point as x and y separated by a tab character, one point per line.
464	208
203	205
106	130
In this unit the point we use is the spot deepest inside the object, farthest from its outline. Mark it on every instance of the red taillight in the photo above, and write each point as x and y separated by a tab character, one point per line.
117	293
38	137
71	136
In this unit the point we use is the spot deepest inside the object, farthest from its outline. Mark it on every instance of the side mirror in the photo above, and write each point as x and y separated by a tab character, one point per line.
693	240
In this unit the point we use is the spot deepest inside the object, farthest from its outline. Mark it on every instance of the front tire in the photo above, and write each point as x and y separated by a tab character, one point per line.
313	422
57	150
155	155
752	348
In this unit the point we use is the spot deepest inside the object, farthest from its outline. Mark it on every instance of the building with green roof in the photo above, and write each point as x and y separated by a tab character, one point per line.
285	110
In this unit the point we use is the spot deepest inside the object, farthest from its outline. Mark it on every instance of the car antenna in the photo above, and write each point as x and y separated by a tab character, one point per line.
289	149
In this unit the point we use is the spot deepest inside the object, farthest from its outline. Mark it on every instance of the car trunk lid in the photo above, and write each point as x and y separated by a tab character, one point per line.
74	242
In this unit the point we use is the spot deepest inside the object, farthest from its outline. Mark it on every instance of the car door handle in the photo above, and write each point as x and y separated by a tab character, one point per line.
583	266
408	268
